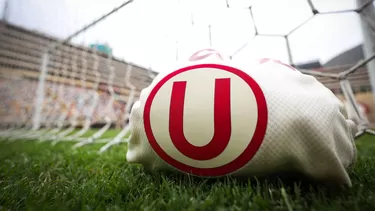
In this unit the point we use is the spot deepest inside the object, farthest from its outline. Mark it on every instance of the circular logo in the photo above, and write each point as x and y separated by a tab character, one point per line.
206	119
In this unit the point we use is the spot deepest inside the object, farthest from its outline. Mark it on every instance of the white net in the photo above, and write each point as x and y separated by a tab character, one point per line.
58	89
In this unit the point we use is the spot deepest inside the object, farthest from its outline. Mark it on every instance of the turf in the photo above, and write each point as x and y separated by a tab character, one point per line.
38	176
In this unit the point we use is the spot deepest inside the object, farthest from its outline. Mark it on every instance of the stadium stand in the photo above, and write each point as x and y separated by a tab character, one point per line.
21	51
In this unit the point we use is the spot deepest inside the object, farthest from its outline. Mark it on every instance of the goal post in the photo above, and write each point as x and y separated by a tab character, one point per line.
367	20
44	64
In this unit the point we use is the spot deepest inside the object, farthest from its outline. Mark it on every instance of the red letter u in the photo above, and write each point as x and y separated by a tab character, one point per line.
222	121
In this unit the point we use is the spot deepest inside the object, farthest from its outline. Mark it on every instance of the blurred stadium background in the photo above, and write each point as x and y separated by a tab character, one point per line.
70	70
53	81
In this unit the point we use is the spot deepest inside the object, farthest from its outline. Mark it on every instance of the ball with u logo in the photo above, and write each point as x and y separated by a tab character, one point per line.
206	119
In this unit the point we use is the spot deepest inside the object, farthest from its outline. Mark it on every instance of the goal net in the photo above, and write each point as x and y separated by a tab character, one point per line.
85	69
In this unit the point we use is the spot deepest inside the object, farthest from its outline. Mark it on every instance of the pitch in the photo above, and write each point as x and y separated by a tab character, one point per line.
38	176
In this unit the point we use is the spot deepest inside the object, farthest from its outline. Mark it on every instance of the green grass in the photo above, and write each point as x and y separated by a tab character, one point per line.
38	176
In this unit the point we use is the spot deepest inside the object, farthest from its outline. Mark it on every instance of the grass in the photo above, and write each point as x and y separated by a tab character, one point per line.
38	176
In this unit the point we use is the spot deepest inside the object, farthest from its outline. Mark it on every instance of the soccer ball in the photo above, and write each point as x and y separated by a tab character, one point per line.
212	118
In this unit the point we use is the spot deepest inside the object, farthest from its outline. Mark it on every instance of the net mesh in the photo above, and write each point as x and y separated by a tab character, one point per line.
56	89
